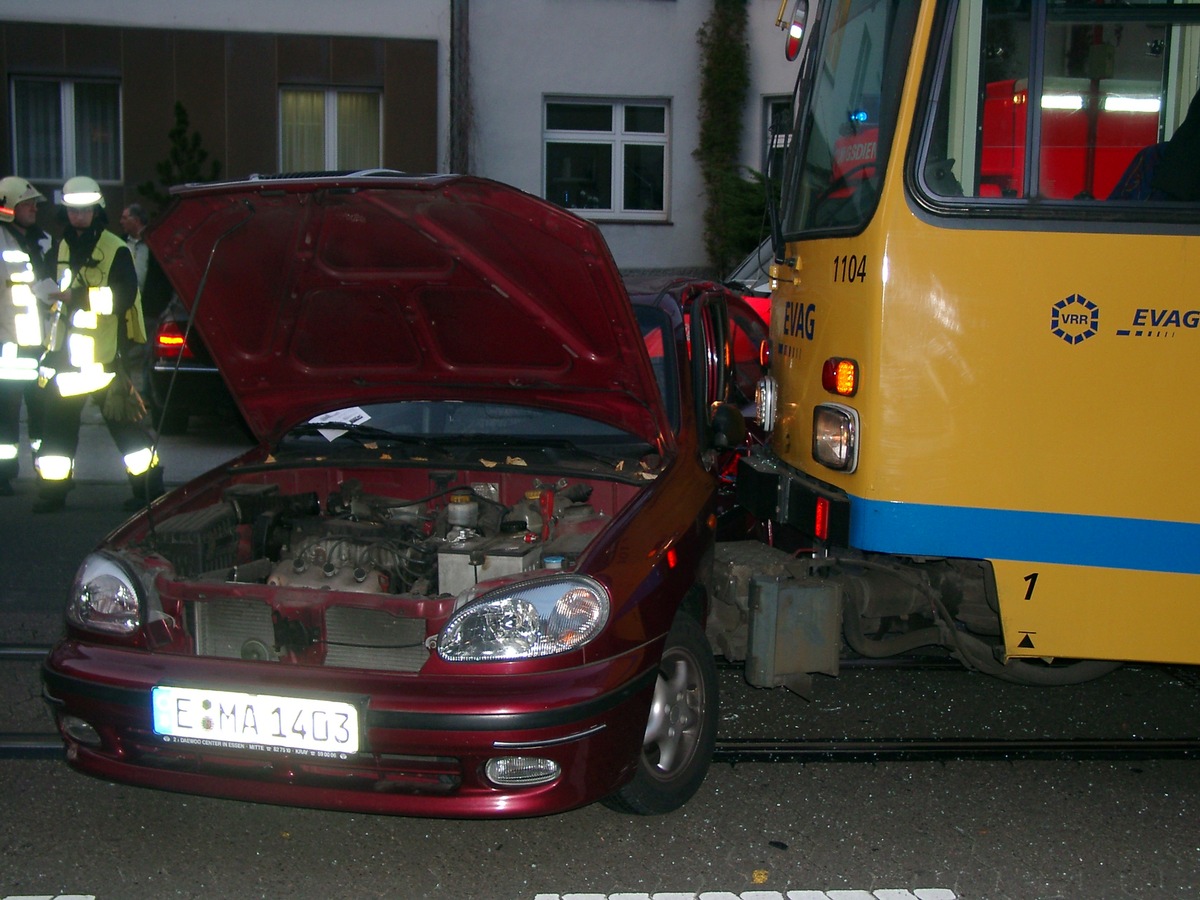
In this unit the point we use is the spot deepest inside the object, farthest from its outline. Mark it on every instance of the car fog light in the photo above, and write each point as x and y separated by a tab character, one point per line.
78	730
521	771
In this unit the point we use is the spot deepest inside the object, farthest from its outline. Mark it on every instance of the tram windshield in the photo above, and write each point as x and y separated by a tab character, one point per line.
852	84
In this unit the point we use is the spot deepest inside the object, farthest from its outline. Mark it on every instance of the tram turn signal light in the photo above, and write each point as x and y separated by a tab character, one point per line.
840	376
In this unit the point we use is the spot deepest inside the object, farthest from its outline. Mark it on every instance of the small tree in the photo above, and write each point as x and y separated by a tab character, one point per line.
185	163
734	209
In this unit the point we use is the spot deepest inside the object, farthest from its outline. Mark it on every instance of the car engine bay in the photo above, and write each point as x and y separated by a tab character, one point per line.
351	575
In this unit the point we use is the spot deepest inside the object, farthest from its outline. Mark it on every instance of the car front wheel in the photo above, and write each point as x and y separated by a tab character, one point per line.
681	730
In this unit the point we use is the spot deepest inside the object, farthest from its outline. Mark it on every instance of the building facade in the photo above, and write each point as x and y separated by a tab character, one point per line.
590	103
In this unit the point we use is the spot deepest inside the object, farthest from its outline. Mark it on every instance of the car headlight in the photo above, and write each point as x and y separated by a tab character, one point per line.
526	620
835	437
105	597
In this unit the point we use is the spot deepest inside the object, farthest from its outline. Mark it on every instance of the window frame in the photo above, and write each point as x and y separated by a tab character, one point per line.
775	143
68	112
331	95
618	139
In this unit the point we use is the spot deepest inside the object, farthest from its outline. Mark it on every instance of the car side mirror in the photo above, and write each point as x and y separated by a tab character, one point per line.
728	425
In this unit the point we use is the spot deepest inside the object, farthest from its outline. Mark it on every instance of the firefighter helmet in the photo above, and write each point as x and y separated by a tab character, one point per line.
81	192
14	190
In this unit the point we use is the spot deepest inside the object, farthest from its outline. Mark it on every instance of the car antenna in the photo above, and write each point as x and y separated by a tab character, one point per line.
212	253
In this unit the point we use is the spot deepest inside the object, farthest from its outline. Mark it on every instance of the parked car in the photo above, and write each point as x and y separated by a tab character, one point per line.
181	378
460	575
752	279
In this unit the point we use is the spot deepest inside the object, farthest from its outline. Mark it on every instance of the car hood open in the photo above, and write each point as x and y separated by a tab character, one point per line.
324	292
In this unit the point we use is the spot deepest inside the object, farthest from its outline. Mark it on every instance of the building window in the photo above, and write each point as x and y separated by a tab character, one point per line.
608	158
777	119
329	130
63	128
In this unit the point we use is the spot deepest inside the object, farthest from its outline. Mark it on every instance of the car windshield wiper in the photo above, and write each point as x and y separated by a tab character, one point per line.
333	431
348	434
603	452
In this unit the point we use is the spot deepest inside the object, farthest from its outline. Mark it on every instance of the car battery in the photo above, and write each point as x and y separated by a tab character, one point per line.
464	563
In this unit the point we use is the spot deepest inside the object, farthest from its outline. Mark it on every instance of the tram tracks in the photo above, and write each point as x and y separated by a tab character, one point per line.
774	749
25	744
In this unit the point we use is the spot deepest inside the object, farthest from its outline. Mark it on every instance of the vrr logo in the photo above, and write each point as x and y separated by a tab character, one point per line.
1075	319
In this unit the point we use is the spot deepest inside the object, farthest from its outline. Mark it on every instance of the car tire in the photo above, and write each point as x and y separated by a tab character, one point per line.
681	730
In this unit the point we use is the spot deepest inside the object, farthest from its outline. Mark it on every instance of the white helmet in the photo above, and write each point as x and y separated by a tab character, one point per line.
14	190
81	192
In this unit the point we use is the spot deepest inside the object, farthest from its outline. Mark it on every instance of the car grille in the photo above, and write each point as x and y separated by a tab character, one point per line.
367	772
355	638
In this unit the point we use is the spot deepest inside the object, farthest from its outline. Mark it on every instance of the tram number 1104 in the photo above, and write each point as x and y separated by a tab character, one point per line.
850	268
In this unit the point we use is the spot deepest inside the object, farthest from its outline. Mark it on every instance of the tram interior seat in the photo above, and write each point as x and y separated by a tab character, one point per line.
1135	181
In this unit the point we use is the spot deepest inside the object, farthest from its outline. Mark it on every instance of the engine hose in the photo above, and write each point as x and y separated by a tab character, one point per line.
879	648
977	654
970	650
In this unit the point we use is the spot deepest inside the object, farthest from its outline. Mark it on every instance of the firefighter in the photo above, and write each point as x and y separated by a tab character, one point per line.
20	316
96	316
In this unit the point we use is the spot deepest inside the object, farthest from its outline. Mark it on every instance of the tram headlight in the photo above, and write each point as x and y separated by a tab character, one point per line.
835	437
106	597
766	394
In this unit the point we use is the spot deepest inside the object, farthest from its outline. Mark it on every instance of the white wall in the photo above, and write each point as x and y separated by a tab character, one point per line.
520	51
616	48
771	75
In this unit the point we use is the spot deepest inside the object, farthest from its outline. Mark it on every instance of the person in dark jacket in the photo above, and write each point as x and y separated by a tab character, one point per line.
1177	174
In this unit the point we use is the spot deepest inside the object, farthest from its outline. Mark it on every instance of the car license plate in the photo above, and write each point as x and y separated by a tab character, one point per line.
256	721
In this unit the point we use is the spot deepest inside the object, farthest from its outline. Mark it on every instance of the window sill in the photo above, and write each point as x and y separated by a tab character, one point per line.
620	221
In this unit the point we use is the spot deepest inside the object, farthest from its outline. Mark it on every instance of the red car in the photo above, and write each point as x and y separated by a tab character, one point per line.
460	574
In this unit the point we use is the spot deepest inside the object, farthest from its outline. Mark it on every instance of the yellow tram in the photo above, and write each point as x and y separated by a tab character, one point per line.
985	331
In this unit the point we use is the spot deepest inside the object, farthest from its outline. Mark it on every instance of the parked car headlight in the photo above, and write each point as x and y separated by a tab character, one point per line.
105	597
526	620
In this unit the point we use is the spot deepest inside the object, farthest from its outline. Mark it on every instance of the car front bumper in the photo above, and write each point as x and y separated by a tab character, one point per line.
425	743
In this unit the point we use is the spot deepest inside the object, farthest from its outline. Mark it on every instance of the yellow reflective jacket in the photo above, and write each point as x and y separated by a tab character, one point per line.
99	322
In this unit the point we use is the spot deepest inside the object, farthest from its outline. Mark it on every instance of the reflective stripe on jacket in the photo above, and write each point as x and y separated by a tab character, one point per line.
98	320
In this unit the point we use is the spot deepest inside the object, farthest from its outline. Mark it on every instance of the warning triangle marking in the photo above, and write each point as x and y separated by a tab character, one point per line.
1026	643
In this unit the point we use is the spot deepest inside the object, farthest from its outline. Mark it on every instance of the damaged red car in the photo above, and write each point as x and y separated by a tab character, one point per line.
460	575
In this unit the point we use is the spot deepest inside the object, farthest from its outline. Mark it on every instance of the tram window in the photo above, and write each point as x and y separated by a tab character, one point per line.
1114	79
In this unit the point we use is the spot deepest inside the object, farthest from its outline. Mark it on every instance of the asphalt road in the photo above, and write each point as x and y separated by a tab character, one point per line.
758	831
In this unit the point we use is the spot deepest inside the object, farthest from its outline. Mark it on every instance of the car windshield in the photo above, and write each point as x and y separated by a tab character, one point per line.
446	429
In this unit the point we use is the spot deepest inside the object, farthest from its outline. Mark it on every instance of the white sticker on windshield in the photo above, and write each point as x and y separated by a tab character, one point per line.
355	415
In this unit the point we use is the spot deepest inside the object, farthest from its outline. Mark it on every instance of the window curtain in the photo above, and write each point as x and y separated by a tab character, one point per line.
97	130
39	130
303	131
358	131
